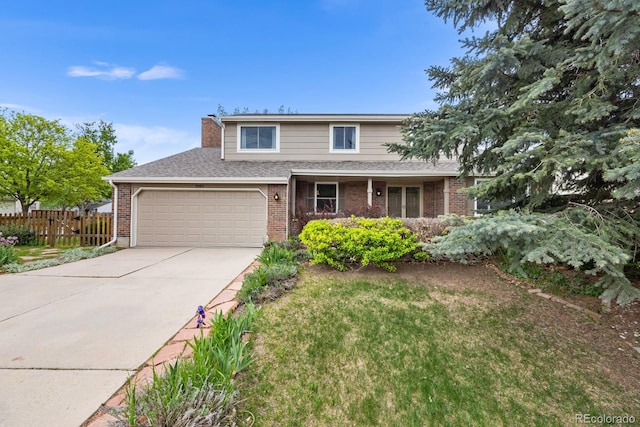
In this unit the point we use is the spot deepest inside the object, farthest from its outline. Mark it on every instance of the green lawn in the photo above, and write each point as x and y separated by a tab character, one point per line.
376	349
36	252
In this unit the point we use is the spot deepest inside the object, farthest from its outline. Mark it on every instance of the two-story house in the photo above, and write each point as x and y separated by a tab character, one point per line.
256	176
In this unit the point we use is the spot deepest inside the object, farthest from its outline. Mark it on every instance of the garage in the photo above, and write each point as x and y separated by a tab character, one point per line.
206	217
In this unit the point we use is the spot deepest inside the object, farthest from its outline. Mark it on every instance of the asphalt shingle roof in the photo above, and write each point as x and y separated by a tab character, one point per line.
206	163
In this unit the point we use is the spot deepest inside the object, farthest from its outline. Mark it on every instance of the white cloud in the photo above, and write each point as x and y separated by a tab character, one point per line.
102	70
161	72
151	143
20	108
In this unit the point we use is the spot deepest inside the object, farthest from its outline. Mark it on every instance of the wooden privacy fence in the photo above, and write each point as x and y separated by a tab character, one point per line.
65	228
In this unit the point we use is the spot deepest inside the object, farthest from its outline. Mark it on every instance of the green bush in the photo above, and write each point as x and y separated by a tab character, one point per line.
274	254
380	241
22	232
253	284
280	262
278	273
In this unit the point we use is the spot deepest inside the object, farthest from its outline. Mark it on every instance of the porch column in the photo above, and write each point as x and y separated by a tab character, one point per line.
446	195
370	192
293	196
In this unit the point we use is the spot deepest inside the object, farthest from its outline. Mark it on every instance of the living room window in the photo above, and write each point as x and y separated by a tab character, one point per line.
258	138
344	138
326	197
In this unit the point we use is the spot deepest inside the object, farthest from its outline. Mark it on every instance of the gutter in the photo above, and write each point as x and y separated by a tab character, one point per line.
202	180
114	204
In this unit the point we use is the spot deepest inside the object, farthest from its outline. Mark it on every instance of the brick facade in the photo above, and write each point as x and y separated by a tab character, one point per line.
429	200
211	133
457	200
355	199
277	212
124	214
378	203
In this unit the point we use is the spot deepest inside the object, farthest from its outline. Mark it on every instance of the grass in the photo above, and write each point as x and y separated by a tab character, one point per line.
386	352
36	252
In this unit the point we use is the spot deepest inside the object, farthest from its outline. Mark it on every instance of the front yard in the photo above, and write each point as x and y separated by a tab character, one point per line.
431	345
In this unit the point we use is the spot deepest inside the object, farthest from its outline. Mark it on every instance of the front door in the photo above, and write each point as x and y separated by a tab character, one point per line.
403	202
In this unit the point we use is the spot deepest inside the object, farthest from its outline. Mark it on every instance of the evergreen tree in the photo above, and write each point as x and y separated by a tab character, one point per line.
548	102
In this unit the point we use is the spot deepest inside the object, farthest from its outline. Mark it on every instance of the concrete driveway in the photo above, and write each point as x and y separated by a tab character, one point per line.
71	335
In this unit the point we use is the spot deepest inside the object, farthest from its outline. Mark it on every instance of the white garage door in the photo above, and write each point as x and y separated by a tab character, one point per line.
201	218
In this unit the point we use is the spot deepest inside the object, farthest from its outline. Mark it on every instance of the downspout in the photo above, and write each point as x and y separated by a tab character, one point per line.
115	216
370	192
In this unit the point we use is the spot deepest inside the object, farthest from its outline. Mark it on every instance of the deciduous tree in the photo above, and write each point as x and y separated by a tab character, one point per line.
80	173
31	148
103	135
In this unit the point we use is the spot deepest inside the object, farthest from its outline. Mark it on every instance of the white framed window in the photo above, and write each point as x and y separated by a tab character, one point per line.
326	198
259	138
344	138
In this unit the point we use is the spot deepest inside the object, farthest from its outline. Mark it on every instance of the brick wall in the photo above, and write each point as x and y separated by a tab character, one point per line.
429	200
124	210
277	212
211	133
378	203
457	200
356	197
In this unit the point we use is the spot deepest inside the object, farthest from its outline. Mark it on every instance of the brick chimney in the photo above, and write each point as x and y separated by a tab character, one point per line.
211	132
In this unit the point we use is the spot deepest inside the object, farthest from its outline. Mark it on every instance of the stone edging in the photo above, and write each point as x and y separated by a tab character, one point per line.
172	350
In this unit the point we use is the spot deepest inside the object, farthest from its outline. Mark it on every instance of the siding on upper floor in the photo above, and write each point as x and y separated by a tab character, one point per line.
310	141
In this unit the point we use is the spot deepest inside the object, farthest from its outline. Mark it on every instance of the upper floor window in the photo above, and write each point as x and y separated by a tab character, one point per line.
344	138
258	138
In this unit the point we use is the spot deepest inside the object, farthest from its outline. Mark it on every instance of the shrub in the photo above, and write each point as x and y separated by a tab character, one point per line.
380	241
425	228
279	264
22	232
252	284
278	273
274	254
7	255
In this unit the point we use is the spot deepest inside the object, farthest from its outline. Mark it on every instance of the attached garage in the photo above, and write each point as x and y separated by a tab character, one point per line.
201	217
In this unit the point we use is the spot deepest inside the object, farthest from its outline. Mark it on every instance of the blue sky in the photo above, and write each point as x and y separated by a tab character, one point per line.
154	69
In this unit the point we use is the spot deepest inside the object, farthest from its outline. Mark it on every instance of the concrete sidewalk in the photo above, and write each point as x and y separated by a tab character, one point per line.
71	335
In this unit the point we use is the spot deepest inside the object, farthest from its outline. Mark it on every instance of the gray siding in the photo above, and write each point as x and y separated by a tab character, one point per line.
310	141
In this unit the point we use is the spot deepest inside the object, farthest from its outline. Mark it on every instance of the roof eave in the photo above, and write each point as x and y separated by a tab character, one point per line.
366	173
324	118
198	180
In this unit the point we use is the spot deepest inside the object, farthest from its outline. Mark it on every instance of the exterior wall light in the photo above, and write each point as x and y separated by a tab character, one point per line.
276	196
378	192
